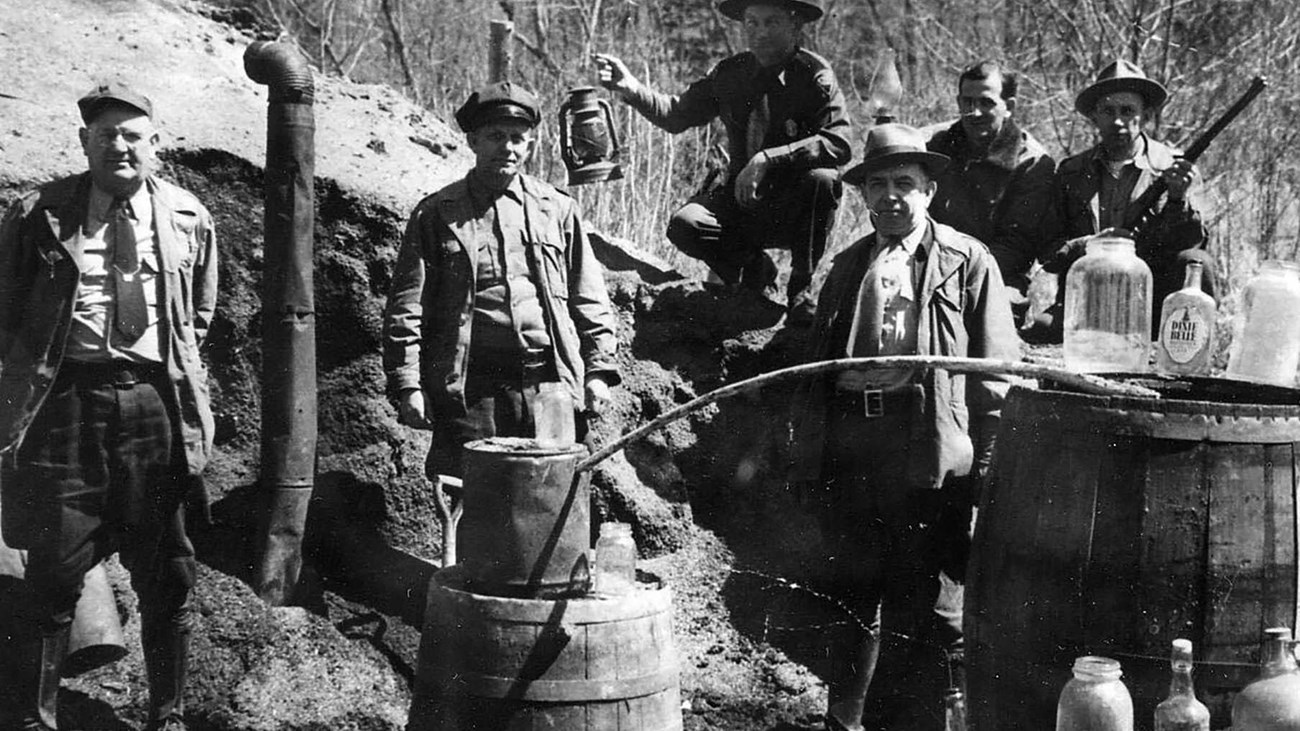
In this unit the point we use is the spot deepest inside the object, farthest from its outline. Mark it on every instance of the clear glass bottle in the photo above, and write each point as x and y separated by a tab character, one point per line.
615	560
1180	711
553	425
1095	699
1271	702
1187	322
1266	339
1108	309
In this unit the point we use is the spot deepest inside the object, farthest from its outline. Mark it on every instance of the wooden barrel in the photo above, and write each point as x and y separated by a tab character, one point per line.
526	525
491	663
1112	526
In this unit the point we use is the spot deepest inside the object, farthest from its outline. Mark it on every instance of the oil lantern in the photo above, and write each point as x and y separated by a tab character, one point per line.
588	142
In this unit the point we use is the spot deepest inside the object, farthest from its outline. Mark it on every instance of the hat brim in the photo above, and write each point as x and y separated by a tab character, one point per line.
735	9
1151	92
498	112
933	162
92	108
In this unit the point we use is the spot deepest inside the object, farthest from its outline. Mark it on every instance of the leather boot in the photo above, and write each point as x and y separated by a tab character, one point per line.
44	717
166	651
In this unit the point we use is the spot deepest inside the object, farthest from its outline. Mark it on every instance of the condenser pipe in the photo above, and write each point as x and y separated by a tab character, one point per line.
288	317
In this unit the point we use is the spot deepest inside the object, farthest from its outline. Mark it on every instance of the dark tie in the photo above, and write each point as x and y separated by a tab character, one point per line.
132	315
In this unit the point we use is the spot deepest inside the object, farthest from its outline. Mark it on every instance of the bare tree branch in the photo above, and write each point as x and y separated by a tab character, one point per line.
399	47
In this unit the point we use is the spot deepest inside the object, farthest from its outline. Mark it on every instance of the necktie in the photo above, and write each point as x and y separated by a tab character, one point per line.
132	315
760	117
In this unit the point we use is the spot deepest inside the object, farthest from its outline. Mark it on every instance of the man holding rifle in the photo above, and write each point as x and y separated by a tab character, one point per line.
1096	190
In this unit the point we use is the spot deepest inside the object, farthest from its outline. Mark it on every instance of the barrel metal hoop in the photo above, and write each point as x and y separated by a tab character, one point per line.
559	691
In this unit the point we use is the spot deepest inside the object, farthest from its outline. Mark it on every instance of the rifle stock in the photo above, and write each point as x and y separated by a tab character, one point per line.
1141	210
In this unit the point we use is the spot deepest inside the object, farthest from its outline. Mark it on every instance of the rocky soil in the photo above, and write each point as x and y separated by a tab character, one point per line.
705	496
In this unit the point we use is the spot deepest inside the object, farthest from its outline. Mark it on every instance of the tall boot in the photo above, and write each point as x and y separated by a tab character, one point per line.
848	697
166	653
45	716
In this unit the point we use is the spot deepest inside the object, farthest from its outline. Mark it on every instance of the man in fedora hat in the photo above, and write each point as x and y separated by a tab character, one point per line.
108	283
891	459
1094	190
496	294
1000	178
786	138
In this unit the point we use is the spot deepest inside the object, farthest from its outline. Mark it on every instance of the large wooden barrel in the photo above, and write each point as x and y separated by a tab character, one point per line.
1112	526
526	525
491	663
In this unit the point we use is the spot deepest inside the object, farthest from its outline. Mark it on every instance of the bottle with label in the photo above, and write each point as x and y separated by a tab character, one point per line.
1108	309
1272	702
1095	699
615	560
1266	339
1187	319
1181	711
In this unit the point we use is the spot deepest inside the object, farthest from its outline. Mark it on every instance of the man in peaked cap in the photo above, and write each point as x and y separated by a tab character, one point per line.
495	294
891	460
1093	191
786	138
108	282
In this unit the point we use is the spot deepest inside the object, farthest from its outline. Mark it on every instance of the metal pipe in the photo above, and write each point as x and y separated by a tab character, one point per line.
288	316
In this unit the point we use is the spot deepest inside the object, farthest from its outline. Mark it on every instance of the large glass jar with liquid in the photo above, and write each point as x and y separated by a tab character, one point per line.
1108	309
1266	336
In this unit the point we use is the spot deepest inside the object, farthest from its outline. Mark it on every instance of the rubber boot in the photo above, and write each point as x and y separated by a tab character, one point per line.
166	653
45	716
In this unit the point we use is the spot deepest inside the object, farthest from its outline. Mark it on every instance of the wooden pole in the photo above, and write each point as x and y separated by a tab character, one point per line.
1084	382
499	50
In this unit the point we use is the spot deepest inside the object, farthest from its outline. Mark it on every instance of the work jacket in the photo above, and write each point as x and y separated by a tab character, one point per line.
40	254
1000	197
963	311
1075	209
430	313
807	128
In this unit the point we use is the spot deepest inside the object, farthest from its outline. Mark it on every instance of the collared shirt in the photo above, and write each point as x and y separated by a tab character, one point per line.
885	320
1118	178
92	336
507	312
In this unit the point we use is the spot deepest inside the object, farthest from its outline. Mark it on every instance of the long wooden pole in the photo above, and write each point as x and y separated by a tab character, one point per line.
1083	382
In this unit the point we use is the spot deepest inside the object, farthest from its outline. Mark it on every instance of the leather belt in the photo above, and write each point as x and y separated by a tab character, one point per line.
117	373
874	403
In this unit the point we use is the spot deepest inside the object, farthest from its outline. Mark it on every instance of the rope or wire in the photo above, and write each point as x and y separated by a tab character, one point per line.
1084	383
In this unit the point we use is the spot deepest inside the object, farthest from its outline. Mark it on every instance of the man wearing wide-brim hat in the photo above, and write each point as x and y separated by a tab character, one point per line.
786	138
496	295
1093	191
891	460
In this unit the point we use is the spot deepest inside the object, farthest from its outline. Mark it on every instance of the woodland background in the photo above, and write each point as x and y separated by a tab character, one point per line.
1204	51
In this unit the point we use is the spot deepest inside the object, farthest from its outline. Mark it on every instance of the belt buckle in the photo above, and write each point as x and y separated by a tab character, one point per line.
873	403
125	378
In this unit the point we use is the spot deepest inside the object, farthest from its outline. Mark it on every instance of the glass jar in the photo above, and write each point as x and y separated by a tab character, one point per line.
615	560
553	425
1272	702
1108	309
1266	341
1095	699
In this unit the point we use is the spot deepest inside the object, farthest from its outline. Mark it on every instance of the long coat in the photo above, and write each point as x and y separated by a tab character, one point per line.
963	312
40	251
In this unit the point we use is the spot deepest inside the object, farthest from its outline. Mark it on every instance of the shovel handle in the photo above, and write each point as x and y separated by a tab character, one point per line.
448	492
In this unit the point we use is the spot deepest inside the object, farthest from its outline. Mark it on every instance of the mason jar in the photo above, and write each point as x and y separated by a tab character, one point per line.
1108	309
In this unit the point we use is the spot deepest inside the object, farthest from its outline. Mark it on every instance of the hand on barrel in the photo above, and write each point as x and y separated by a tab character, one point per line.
1179	177
749	180
614	74
413	409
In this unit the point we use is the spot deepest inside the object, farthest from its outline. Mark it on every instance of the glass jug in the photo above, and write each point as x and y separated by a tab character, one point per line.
1266	341
1272	702
1108	309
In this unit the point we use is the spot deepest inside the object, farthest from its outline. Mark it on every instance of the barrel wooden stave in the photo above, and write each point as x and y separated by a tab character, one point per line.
521	664
1114	526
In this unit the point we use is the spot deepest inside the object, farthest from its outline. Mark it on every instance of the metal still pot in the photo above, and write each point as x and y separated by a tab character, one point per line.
588	142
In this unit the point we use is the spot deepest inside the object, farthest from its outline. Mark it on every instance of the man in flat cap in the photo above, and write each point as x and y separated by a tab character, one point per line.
1094	191
786	139
1000	179
108	282
891	459
496	294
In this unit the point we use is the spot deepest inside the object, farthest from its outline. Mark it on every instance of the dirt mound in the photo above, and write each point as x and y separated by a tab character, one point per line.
705	495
